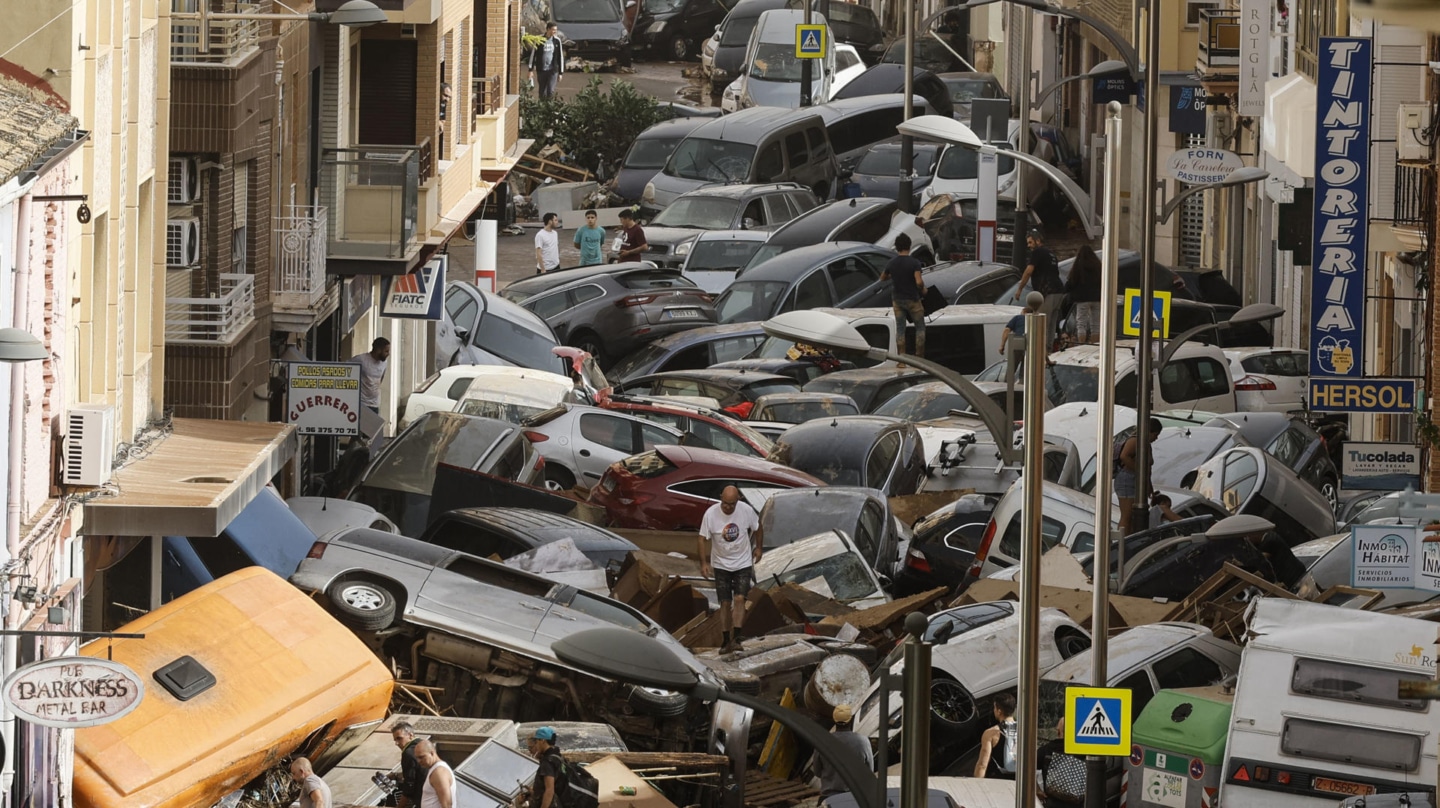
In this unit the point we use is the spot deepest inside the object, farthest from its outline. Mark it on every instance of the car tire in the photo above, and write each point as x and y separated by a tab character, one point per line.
627	56
677	48
951	707
1070	642
1330	489
589	342
361	604
558	478
658	703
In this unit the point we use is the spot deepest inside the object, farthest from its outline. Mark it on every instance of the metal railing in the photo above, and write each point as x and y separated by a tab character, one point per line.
212	320
489	94
1219	38
426	154
372	196
229	40
300	283
1414	195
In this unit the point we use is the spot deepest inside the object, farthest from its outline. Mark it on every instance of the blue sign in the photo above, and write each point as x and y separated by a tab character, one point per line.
1187	110
418	295
1099	722
1394	396
1342	177
1112	88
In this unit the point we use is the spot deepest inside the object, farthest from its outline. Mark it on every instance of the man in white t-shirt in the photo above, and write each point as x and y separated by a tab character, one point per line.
547	245
730	546
372	372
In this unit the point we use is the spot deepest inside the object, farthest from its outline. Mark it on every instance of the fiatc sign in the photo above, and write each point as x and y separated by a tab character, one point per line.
72	692
1342	177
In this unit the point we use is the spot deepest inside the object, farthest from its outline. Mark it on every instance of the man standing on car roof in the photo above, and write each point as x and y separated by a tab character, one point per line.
730	547
906	293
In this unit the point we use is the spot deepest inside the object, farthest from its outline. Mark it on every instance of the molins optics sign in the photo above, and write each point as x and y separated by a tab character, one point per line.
1342	169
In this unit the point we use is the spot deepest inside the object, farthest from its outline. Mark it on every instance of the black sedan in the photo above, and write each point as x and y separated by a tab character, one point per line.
944	544
868	387
884	79
864	450
930	54
851	24
843	274
973	282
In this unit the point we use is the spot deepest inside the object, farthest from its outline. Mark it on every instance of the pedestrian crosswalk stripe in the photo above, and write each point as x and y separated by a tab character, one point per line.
1098	724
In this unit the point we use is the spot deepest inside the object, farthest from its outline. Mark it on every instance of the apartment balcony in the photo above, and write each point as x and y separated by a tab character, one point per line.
1414	205
1219	57
371	194
302	292
220	319
495	129
229	42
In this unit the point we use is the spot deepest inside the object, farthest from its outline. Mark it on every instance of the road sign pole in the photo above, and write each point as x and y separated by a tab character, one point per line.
805	68
1028	684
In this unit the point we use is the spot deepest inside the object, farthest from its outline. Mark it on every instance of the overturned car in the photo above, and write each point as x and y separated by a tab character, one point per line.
481	632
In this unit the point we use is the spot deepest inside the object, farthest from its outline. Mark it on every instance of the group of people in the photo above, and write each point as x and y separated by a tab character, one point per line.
424	780
590	240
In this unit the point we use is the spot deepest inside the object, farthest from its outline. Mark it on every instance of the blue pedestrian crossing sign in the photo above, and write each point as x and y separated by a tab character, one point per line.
1097	721
1160	305
809	41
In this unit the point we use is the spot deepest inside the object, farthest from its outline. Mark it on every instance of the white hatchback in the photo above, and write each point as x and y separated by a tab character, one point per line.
1269	379
501	386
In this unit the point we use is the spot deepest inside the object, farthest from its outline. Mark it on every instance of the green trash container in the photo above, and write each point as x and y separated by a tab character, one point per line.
1178	750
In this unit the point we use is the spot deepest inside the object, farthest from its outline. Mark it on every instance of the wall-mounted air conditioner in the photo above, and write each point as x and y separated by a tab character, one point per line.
183	182
89	444
182	242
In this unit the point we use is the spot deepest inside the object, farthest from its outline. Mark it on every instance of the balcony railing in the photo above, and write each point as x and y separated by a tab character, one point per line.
229	40
300	284
1219	41
216	320
489	94
372	195
1414	195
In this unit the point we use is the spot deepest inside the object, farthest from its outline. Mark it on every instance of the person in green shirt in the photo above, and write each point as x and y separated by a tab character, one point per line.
591	240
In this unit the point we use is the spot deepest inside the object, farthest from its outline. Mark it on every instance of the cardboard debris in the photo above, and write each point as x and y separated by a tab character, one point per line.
1059	568
614	775
1125	612
762	615
877	618
909	507
645	573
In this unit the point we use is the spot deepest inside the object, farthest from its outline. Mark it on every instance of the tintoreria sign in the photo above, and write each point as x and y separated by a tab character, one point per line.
73	691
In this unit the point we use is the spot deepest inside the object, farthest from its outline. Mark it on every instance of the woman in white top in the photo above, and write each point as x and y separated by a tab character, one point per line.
439	790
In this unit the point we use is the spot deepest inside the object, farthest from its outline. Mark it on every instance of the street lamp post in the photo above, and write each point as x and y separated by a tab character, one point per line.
1105	69
629	656
1140	512
907	143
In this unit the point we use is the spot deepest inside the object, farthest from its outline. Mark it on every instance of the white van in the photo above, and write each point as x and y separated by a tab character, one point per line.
1318	716
963	338
957	170
771	74
1197	377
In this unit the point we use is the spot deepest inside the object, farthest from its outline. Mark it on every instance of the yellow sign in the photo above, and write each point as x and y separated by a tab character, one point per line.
1097	721
809	41
1161	317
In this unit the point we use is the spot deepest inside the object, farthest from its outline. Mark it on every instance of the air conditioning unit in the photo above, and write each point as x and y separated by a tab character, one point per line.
182	186
89	444
1410	121
407	30
182	242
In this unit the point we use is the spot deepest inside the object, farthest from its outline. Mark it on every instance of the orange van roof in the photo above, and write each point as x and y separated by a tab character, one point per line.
283	668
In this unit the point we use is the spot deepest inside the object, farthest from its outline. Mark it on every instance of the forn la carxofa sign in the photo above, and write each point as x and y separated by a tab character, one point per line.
73	691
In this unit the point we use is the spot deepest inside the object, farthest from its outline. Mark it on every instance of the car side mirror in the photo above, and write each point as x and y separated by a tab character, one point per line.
463	334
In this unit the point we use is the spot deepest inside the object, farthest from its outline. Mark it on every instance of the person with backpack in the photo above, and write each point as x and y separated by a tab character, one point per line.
1000	744
557	782
1127	472
1043	275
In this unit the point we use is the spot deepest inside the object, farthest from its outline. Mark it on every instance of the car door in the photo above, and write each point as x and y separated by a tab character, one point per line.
811	292
879	293
880	463
732	348
553	308
1199	382
602	438
452	333
853	279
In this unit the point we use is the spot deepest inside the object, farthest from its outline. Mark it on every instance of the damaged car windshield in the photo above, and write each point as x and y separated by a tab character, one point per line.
844	574
408	463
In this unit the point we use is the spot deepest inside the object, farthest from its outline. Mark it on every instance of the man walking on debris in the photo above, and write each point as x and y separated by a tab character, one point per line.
439	788
314	793
409	774
730	546
845	734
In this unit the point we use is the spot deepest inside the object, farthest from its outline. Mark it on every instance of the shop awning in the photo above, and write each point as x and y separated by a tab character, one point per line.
194	481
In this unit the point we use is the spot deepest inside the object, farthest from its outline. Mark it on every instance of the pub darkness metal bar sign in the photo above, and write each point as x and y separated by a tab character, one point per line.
1342	149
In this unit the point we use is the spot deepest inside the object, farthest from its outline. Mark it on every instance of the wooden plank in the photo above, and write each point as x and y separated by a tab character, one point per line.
678	760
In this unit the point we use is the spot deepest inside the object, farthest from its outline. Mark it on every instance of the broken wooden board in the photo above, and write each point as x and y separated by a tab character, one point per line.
661	541
876	618
614	775
646	573
1077	604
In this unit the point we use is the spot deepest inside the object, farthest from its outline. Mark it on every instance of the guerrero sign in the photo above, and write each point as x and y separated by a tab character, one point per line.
324	398
73	692
1342	168
1202	166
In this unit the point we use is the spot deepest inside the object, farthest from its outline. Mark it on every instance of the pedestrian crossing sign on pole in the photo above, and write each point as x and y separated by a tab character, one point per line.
1160	305
1097	721
809	41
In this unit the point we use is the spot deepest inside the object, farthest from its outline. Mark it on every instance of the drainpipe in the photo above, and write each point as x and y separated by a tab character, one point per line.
8	618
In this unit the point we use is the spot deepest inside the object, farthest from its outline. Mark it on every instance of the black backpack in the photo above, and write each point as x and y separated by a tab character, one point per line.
575	787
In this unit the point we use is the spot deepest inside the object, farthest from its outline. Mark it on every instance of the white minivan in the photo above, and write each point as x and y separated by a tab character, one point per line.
1197	377
1318	716
771	74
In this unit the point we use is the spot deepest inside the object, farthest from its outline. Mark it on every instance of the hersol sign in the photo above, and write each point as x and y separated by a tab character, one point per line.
73	692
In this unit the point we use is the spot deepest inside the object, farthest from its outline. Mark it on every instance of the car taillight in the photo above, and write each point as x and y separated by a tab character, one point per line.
916	560
539	462
536	437
984	551
636	499
634	300
1254	383
317	550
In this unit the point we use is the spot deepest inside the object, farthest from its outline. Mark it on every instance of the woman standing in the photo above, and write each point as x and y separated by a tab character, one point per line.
1084	288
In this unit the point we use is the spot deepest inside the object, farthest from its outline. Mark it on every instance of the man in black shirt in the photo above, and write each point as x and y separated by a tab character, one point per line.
542	746
409	775
1043	273
905	295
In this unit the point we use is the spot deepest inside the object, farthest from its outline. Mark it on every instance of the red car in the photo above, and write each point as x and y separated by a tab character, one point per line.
671	487
715	429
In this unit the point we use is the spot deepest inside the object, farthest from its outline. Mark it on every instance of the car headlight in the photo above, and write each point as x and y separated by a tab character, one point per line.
656	27
648	195
624	39
684	249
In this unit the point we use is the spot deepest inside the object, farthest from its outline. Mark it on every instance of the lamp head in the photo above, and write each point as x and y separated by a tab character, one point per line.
357	14
1257	313
942	129
816	328
1109	67
626	656
20	346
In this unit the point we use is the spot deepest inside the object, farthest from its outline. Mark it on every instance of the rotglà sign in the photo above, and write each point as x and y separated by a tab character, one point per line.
73	692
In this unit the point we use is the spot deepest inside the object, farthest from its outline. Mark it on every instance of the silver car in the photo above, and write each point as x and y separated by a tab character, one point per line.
458	620
580	442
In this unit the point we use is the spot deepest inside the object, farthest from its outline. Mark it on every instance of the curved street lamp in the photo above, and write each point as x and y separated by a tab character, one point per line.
1240	176
629	656
1105	69
1120	42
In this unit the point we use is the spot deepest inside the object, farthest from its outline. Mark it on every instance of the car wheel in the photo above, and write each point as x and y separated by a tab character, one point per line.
558	478
1070	642
362	604
590	343
678	48
1331	491
950	705
657	702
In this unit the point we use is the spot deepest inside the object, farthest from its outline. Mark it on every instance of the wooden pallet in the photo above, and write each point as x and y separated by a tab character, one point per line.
1216	603
541	169
764	791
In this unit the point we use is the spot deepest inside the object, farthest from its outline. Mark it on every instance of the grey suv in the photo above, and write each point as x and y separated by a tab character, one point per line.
610	310
722	207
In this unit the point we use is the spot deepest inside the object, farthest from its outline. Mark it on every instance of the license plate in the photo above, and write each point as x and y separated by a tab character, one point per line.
609	484
1342	787
682	314
1005	237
